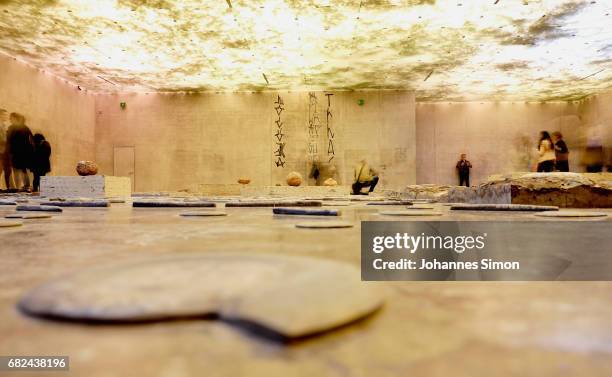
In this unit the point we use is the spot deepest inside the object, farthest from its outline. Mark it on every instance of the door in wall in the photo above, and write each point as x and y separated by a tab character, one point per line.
123	163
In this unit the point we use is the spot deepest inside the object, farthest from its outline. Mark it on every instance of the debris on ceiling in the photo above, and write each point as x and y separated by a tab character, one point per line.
442	49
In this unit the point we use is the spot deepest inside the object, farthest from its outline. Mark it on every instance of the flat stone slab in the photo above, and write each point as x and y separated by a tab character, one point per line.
502	207
390	203
275	203
419	206
9	224
310	212
28	216
336	204
41	208
410	213
8	202
290	296
170	204
324	224
366	198
571	214
294	191
77	203
202	213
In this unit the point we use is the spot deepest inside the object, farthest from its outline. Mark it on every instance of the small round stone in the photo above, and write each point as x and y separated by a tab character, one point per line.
571	214
294	179
330	182
87	168
410	213
324	224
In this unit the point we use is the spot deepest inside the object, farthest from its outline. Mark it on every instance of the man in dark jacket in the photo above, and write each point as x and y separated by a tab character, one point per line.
19	146
463	167
561	152
40	161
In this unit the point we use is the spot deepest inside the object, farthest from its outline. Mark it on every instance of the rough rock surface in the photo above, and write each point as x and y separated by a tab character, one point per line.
575	190
425	191
87	168
294	179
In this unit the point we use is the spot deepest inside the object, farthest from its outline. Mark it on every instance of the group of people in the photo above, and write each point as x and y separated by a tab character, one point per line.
20	152
553	153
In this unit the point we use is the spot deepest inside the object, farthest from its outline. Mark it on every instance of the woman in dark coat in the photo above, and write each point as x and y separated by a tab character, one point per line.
20	147
41	164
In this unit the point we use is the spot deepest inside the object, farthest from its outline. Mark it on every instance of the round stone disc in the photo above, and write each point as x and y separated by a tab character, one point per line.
571	214
202	213
28	216
7	224
292	296
324	224
410	213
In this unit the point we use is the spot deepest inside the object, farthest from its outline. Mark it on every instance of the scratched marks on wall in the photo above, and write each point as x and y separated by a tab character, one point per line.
330	132
314	123
279	153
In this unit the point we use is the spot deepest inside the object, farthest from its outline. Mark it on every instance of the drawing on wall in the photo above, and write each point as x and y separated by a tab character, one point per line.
330	132
279	153
314	123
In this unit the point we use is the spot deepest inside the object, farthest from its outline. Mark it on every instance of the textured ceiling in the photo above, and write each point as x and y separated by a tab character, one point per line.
444	49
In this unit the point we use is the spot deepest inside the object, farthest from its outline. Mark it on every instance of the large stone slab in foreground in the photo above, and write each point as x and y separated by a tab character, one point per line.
91	186
289	296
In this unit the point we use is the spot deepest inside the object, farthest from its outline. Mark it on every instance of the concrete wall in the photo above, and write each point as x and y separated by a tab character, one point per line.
186	139
52	107
596	115
498	137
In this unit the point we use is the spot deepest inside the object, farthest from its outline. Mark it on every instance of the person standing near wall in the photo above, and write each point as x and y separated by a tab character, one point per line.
546	151
41	164
5	161
463	167
20	148
561	152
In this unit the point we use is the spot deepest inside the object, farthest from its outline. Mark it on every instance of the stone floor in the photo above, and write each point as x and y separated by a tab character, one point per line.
425	329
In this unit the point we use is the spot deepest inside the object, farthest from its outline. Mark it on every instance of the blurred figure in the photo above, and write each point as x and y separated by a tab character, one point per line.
561	152
463	167
20	148
5	161
546	151
364	177
41	164
593	156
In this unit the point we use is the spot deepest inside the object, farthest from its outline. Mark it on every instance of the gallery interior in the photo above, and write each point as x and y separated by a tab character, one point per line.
185	184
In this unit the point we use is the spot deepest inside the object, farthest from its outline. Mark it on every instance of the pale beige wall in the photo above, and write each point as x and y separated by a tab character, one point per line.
52	107
499	137
186	139
596	112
